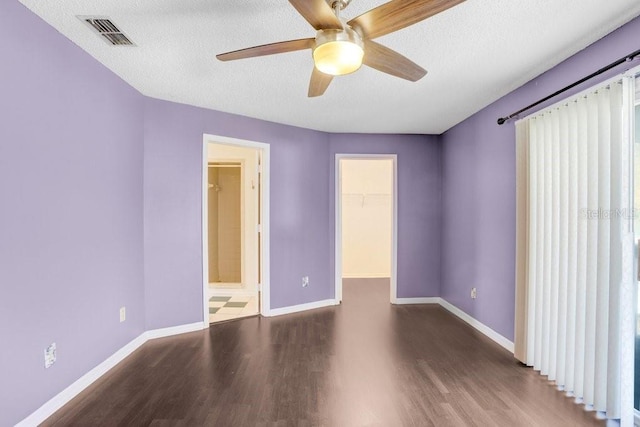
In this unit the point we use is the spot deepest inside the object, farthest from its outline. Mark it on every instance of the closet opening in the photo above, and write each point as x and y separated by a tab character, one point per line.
366	226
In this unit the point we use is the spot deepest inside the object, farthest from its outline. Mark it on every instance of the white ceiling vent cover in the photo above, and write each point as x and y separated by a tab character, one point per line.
108	30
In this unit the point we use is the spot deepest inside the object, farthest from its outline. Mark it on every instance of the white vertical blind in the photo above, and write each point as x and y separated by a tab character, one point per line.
563	247
533	339
570	271
572	248
592	247
554	326
580	297
616	267
604	247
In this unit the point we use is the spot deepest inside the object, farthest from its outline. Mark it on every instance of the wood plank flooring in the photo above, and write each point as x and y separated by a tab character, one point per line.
363	363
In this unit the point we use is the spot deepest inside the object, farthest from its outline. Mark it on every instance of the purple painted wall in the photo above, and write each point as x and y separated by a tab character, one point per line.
172	203
88	231
419	204
478	160
70	211
302	208
100	191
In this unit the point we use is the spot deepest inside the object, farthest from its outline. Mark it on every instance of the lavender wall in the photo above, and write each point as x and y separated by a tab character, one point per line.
419	204
172	203
85	231
75	198
70	215
479	187
302	208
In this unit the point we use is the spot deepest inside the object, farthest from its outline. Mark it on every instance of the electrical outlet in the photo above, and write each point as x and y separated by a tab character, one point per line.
123	314
474	293
50	355
305	281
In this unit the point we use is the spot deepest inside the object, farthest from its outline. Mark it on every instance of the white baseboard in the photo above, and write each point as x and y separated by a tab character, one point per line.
300	307
422	300
62	398
490	333
502	341
174	330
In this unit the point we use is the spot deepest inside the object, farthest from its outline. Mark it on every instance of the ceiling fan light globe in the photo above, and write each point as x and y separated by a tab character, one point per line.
338	57
338	52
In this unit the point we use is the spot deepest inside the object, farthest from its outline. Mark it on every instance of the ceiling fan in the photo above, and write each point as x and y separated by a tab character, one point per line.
341	47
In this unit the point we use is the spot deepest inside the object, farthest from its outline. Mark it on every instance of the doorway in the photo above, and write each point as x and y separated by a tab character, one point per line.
235	232
226	231
366	222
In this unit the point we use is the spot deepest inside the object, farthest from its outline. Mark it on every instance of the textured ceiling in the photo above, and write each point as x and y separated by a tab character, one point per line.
475	53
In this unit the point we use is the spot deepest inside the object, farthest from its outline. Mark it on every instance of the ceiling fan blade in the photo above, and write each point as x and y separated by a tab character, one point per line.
391	62
398	14
319	83
317	13
268	49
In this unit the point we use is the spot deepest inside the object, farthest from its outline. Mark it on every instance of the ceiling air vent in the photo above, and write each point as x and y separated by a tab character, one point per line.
108	30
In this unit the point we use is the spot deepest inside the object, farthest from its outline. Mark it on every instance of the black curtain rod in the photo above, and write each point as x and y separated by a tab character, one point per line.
614	64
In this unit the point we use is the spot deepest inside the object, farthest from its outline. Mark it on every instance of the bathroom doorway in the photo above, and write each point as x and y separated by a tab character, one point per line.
233	228
225	223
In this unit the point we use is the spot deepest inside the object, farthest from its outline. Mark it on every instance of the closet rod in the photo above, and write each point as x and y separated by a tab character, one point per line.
628	58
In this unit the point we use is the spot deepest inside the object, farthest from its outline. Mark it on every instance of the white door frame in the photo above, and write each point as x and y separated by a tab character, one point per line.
264	279
393	289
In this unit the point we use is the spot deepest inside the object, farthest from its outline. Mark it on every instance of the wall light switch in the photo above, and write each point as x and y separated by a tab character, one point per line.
474	293
123	314
305	281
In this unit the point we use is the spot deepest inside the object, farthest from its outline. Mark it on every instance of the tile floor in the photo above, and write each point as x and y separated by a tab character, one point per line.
232	307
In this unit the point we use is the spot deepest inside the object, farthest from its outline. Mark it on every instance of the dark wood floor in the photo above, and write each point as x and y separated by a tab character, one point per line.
364	363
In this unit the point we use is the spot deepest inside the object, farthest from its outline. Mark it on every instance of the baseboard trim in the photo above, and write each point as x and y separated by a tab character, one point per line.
490	333
62	398
421	300
300	307
174	330
636	417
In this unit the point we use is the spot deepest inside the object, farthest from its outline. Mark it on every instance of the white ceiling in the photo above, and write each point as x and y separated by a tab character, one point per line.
475	53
